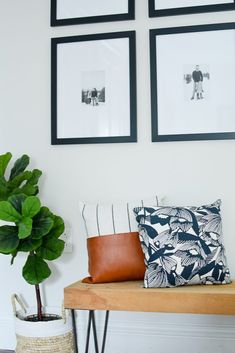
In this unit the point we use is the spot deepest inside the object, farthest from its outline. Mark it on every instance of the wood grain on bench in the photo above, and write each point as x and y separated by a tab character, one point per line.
131	296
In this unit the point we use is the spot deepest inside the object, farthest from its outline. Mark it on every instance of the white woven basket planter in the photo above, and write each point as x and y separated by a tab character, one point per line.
43	336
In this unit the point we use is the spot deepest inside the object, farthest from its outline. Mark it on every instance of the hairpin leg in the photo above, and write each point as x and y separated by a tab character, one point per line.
74	331
88	332
91	320
105	330
94	331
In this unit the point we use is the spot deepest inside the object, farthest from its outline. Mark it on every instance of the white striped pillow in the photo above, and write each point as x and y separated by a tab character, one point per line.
112	218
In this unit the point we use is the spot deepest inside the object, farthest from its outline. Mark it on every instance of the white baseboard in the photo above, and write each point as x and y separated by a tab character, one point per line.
150	333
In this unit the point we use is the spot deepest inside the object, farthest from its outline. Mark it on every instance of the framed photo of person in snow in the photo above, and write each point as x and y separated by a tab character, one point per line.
192	82
94	88
159	8
72	12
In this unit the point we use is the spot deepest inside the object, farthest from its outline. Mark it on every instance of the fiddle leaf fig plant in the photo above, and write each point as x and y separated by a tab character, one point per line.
31	228
19	181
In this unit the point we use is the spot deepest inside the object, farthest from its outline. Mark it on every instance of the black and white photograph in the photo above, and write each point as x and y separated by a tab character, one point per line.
94	88
183	7
72	12
196	82
192	82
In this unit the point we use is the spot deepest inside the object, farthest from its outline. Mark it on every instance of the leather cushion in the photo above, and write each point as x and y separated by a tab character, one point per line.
115	258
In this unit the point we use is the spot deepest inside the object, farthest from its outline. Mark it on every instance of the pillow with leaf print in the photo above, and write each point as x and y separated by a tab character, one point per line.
182	245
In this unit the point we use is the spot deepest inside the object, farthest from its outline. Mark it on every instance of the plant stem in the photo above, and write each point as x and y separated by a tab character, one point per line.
39	302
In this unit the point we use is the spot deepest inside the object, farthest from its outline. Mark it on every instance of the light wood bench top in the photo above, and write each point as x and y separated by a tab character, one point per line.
131	296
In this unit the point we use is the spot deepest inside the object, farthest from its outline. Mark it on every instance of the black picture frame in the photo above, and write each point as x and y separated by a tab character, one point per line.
75	20
119	46
178	113
153	12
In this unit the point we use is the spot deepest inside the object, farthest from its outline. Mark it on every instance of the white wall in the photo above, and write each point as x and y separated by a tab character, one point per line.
106	172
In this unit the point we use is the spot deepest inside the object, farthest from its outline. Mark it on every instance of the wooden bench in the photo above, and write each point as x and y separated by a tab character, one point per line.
131	296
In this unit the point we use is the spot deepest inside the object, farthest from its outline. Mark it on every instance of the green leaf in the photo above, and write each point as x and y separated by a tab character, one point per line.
17	201
42	223
3	189
8	212
51	248
29	244
3	182
25	227
19	166
18	180
31	206
58	227
27	189
35	270
21	181
8	239
35	175
4	160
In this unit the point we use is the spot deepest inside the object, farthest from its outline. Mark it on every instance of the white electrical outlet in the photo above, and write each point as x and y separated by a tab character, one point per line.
67	238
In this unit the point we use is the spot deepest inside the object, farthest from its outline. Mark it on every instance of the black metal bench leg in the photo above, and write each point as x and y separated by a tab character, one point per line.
91	320
74	331
105	330
94	331
88	332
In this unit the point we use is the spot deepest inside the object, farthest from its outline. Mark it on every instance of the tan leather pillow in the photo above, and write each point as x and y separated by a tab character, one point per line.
115	258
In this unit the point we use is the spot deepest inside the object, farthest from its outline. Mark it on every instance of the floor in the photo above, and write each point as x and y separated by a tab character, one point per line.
5	351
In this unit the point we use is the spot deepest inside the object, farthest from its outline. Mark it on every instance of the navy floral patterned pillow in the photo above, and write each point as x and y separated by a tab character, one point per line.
182	245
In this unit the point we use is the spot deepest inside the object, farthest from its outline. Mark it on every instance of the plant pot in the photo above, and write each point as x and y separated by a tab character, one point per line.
43	336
